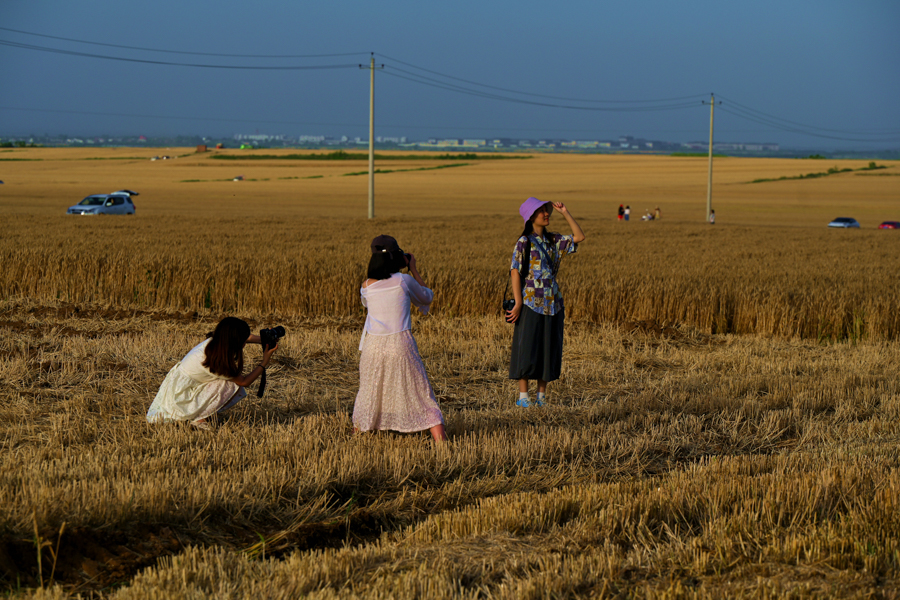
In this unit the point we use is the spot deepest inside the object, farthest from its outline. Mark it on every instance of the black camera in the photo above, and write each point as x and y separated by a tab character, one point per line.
269	337
508	305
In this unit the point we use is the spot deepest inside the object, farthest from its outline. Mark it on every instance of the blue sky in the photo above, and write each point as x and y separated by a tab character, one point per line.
825	67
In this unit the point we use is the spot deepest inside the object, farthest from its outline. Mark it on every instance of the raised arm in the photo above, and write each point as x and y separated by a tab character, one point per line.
577	233
414	271
245	380
419	294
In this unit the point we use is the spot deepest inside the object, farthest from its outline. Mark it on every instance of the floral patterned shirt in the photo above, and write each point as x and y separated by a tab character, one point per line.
541	293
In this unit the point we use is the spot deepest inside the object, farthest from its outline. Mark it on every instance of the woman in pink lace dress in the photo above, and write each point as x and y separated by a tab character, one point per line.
394	393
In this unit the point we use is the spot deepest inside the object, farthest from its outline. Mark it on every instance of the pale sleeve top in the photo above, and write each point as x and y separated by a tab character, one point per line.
192	364
390	301
190	391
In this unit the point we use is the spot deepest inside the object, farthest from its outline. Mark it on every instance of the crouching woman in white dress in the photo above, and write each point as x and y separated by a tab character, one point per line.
394	393
209	378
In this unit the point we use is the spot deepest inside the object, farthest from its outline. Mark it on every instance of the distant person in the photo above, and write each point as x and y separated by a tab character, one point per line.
627	213
656	213
621	212
538	313
647	217
208	379
712	217
394	393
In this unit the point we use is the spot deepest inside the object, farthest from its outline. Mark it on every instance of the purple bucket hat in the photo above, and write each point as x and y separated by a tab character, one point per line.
529	206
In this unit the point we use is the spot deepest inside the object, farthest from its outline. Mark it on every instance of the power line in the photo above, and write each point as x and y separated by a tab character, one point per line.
692	97
415	78
174	64
55	37
682	102
761	114
782	127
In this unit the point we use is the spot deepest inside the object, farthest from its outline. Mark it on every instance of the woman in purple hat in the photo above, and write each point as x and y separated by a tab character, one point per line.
394	392
538	314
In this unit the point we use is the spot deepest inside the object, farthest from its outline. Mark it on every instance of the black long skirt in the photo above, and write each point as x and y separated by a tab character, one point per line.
537	346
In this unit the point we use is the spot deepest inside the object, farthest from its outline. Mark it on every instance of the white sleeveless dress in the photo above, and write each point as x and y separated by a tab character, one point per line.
190	392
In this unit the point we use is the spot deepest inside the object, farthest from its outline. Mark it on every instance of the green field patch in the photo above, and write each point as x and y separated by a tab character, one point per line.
832	171
216	180
20	159
405	170
111	158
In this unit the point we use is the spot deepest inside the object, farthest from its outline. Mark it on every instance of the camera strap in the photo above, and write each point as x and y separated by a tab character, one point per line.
262	384
554	267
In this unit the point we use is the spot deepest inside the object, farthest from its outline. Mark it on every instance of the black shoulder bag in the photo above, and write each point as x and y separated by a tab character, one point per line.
523	271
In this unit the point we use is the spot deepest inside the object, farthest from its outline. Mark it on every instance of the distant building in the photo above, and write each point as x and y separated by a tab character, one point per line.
390	140
256	137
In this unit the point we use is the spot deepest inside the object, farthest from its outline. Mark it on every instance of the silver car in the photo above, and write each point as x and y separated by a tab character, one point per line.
845	223
118	203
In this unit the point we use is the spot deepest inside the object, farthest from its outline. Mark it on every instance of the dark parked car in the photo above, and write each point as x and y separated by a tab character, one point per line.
844	223
890	225
117	203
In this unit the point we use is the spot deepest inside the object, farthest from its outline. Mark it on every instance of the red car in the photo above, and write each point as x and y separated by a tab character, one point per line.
890	225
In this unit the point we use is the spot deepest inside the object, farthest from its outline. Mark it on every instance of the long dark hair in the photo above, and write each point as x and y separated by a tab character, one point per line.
384	264
225	351
548	236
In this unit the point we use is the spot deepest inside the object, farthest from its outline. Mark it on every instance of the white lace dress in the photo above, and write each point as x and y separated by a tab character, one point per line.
190	392
394	392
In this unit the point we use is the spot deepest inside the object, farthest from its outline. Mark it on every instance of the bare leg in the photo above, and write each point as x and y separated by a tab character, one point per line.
541	393
438	433
523	386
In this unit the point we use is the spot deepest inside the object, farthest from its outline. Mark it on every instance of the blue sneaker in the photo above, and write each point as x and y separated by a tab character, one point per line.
538	403
523	402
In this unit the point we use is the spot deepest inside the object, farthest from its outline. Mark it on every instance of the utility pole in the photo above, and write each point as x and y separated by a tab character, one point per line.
371	68
712	103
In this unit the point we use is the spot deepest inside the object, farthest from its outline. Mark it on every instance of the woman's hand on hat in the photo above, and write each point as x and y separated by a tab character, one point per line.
559	206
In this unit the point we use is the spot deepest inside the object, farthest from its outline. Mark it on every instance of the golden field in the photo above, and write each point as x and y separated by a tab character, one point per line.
271	243
726	424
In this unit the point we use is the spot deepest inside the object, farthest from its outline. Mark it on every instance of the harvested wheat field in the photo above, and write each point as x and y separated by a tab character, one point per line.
726	424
